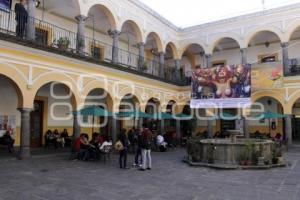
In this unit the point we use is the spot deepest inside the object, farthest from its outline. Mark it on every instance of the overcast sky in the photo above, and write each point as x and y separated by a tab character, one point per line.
185	13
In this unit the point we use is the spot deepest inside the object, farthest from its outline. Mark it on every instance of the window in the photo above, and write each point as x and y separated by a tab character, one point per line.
219	63
268	58
97	52
41	36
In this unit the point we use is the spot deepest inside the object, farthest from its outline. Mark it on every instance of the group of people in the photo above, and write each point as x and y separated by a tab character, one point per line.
142	139
8	140
57	139
91	149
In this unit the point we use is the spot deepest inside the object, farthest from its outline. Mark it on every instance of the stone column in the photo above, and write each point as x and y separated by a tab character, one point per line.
76	126
141	60
208	60
80	40
114	133
285	57
177	69
162	126
30	27
115	47
178	131
243	56
210	133
161	64
246	128
25	133
288	129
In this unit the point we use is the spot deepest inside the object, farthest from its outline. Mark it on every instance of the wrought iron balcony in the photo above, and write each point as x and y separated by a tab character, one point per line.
52	38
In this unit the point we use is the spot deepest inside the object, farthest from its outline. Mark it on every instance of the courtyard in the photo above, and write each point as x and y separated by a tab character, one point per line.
56	177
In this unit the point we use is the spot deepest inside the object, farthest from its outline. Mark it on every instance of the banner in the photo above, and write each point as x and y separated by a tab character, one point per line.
221	87
5	5
266	76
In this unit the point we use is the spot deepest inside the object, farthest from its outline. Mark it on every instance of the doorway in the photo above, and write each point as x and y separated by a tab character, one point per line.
36	124
228	124
296	128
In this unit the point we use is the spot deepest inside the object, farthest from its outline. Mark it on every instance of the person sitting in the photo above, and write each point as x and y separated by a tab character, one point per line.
58	139
160	142
105	144
8	140
49	139
84	153
65	136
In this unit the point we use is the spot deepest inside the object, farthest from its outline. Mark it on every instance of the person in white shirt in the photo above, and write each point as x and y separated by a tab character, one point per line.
105	144
160	142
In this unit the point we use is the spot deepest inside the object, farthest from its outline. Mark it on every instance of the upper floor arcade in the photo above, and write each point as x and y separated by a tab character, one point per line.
128	36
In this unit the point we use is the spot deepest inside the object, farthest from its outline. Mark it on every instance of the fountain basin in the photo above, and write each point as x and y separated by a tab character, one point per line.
226	152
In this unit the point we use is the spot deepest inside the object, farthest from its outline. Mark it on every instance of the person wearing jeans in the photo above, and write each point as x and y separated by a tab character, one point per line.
123	153
146	148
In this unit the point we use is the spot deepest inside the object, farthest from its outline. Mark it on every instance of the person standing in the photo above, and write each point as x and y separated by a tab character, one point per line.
138	153
123	152
21	18
146	148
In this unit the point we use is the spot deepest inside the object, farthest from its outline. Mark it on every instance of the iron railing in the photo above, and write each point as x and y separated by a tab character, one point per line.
62	40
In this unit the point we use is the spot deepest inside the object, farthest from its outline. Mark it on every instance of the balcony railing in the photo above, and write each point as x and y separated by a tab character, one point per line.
293	67
55	39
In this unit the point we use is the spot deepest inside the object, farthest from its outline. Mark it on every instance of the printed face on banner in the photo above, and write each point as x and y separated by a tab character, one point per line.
221	87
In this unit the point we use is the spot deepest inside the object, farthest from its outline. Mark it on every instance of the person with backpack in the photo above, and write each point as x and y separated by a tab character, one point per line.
146	149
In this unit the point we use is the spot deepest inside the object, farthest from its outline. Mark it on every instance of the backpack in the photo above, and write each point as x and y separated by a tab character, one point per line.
119	146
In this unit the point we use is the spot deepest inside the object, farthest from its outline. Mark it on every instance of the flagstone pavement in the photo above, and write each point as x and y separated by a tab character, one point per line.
56	177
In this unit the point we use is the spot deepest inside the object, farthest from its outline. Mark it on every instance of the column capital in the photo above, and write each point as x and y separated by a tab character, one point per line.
243	49
81	18
24	110
113	33
208	55
140	44
284	44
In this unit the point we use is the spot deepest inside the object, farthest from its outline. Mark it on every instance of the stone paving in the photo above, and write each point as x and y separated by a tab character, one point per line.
56	177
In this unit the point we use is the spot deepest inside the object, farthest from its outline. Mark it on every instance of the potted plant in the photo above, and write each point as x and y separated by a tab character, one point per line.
63	43
145	66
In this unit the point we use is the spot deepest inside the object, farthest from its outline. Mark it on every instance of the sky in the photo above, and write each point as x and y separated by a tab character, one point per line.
184	13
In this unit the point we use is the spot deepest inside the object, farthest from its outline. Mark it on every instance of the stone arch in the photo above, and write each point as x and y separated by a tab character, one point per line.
153	102
186	47
132	97
216	41
291	102
94	85
174	50
19	82
107	9
157	39
275	95
18	90
254	32
59	78
136	28
290	30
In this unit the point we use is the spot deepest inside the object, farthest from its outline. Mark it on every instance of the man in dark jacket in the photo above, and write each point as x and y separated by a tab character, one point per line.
21	18
138	152
146	148
123	153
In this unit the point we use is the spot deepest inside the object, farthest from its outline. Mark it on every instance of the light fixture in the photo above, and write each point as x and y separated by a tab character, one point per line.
267	44
269	102
37	3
